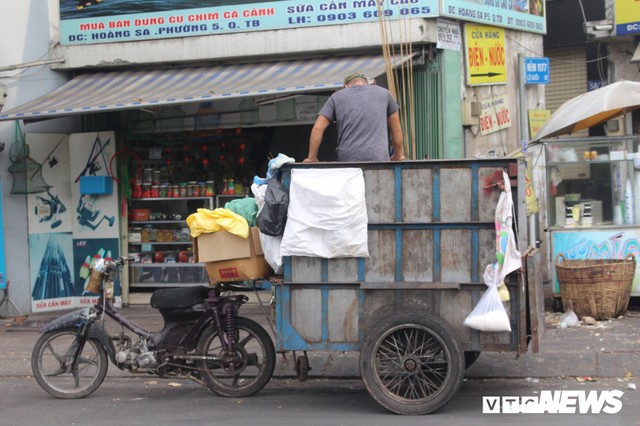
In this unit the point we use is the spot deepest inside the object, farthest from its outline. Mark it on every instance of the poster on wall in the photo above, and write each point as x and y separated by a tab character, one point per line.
599	244
495	115
96	214
68	230
110	21
3	268
50	207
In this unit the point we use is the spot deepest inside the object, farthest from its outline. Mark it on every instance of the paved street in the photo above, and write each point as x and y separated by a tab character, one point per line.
148	401
603	357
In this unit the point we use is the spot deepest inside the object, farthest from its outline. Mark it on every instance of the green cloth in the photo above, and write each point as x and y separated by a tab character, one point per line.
245	207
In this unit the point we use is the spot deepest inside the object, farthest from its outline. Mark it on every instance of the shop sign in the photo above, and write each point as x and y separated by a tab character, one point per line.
536	70
522	15
111	22
449	36
627	17
495	115
537	119
486	56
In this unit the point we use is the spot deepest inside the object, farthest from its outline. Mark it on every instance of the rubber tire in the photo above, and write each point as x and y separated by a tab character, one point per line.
446	345
302	368
470	357
264	375
36	366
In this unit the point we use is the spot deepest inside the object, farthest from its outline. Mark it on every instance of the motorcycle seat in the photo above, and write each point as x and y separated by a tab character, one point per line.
179	298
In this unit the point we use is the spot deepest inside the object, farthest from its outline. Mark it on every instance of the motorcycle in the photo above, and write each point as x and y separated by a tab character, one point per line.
203	339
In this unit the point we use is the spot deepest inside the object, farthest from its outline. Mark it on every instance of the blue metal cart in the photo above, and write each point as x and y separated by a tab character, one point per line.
431	233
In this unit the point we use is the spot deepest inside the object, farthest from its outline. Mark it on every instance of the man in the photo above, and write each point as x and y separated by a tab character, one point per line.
362	113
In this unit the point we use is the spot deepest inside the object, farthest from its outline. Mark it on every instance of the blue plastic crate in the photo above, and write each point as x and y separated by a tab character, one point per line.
97	185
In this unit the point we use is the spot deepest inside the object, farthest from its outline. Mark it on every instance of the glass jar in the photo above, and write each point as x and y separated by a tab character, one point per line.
147	176
209	188
163	192
144	235
146	190
137	189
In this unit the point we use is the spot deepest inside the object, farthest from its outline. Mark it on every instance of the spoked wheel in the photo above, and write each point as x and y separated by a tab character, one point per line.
411	363
52	362
244	372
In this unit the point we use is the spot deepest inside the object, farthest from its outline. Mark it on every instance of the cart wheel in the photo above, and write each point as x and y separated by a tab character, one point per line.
302	368
470	357
411	363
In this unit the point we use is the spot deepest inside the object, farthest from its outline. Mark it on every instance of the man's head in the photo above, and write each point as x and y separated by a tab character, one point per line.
355	77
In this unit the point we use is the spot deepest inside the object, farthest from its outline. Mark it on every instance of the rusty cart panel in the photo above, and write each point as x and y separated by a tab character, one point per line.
431	233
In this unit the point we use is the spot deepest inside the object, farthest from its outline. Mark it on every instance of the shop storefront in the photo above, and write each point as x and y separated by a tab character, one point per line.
594	198
128	190
197	114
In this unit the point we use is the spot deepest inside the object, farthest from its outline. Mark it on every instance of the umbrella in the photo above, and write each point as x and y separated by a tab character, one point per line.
592	108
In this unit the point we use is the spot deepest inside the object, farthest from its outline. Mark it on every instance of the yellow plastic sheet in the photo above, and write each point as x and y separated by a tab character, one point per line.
205	221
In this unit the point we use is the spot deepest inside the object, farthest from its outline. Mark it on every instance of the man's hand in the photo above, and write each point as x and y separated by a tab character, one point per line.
397	157
315	139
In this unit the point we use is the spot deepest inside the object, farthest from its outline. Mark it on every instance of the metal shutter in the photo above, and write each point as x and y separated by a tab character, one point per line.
568	75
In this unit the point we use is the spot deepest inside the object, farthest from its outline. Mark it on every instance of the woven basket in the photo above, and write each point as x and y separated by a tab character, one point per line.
600	288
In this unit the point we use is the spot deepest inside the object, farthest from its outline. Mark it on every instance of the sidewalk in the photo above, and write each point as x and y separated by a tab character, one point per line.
609	349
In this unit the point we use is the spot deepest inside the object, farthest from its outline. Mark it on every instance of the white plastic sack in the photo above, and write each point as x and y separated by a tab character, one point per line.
270	245
489	314
327	215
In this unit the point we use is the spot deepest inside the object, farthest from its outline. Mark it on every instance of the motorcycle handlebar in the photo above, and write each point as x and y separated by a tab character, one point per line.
123	260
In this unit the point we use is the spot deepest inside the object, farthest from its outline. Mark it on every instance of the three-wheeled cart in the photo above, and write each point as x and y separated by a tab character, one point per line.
431	233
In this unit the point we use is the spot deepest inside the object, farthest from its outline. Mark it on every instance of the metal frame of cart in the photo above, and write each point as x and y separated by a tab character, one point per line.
431	233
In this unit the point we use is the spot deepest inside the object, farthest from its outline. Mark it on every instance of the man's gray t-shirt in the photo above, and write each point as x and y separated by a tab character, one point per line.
361	115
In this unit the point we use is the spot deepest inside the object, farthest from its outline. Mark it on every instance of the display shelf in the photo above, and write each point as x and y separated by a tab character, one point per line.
600	191
165	274
163	243
158	222
222	199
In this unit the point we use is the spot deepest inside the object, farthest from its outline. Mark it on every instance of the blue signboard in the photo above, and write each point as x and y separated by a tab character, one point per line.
536	70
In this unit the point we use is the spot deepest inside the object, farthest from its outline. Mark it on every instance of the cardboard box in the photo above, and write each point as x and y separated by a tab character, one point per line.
228	257
139	214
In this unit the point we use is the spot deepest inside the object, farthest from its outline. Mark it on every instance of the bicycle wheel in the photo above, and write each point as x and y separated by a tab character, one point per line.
411	363
53	365
249	368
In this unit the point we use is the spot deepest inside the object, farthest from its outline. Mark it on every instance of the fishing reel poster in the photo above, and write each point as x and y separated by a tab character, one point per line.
69	231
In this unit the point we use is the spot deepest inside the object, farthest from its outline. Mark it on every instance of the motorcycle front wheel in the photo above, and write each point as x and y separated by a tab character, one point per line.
244	372
52	362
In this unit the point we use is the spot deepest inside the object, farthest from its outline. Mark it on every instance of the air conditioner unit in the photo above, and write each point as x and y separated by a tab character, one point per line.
471	111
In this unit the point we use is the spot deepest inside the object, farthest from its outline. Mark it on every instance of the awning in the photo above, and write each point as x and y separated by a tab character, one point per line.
121	90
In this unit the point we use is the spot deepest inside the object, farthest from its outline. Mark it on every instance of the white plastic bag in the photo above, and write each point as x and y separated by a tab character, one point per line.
489	314
327	215
270	245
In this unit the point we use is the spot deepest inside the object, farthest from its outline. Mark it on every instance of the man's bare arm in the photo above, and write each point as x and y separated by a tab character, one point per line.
397	139
315	139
